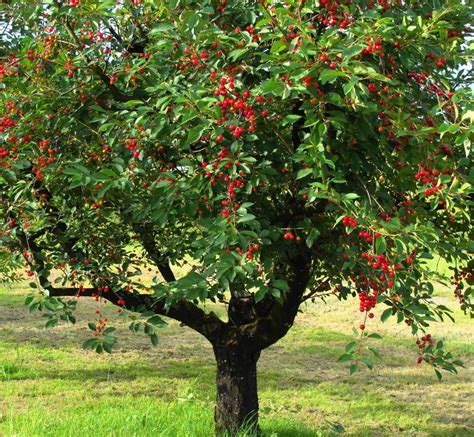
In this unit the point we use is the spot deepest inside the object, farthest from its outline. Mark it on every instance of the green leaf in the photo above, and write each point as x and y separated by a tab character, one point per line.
156	321
386	314
311	238
350	196
237	53
380	245
162	28
345	357
132	103
278	47
51	323
192	278
91	343
154	339
375	335
370	73
29	299
246	218
194	134
368	362
260	294
21	164
352	51
107	347
9	176
375	351
303	173
353	369
290	119
71	172
351	346
281	284
330	75
273	86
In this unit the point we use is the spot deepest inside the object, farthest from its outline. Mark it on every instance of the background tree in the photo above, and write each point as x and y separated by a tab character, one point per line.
281	151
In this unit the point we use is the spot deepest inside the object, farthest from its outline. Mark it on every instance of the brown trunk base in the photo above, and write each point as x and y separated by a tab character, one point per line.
237	398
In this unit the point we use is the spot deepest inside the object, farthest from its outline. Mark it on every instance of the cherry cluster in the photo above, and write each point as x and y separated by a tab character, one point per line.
101	325
196	60
70	68
220	7
424	342
367	302
385	4
237	105
438	62
406	209
310	82
464	274
428	176
376	47
369	236
349	221
376	274
5	123
330	15
250	251
429	85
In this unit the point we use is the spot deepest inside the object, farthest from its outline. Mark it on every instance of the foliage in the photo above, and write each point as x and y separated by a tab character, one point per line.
289	150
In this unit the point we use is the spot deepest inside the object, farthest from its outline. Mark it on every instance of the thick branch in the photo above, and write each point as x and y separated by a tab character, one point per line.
270	328
118	95
147	237
113	32
187	313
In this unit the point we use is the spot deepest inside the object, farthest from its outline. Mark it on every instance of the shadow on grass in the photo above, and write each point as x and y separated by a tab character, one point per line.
74	364
191	369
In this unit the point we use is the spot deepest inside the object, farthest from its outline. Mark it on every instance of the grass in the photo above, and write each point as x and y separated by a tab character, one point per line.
49	386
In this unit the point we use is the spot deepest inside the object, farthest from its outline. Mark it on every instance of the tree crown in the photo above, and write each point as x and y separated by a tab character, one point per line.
284	151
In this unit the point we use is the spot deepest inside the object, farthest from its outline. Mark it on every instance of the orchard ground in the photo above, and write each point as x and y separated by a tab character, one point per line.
50	386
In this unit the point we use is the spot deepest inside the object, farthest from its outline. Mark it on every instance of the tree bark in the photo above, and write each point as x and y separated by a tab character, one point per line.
237	397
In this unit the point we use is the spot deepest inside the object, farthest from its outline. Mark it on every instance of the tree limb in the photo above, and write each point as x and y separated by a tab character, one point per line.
279	319
118	95
209	325
147	237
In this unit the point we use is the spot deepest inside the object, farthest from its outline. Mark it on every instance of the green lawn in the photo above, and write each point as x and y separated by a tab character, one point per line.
49	386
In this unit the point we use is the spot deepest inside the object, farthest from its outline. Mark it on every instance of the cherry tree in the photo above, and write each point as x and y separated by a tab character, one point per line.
279	152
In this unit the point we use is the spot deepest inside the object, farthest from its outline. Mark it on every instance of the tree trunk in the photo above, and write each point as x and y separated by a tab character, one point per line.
237	397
